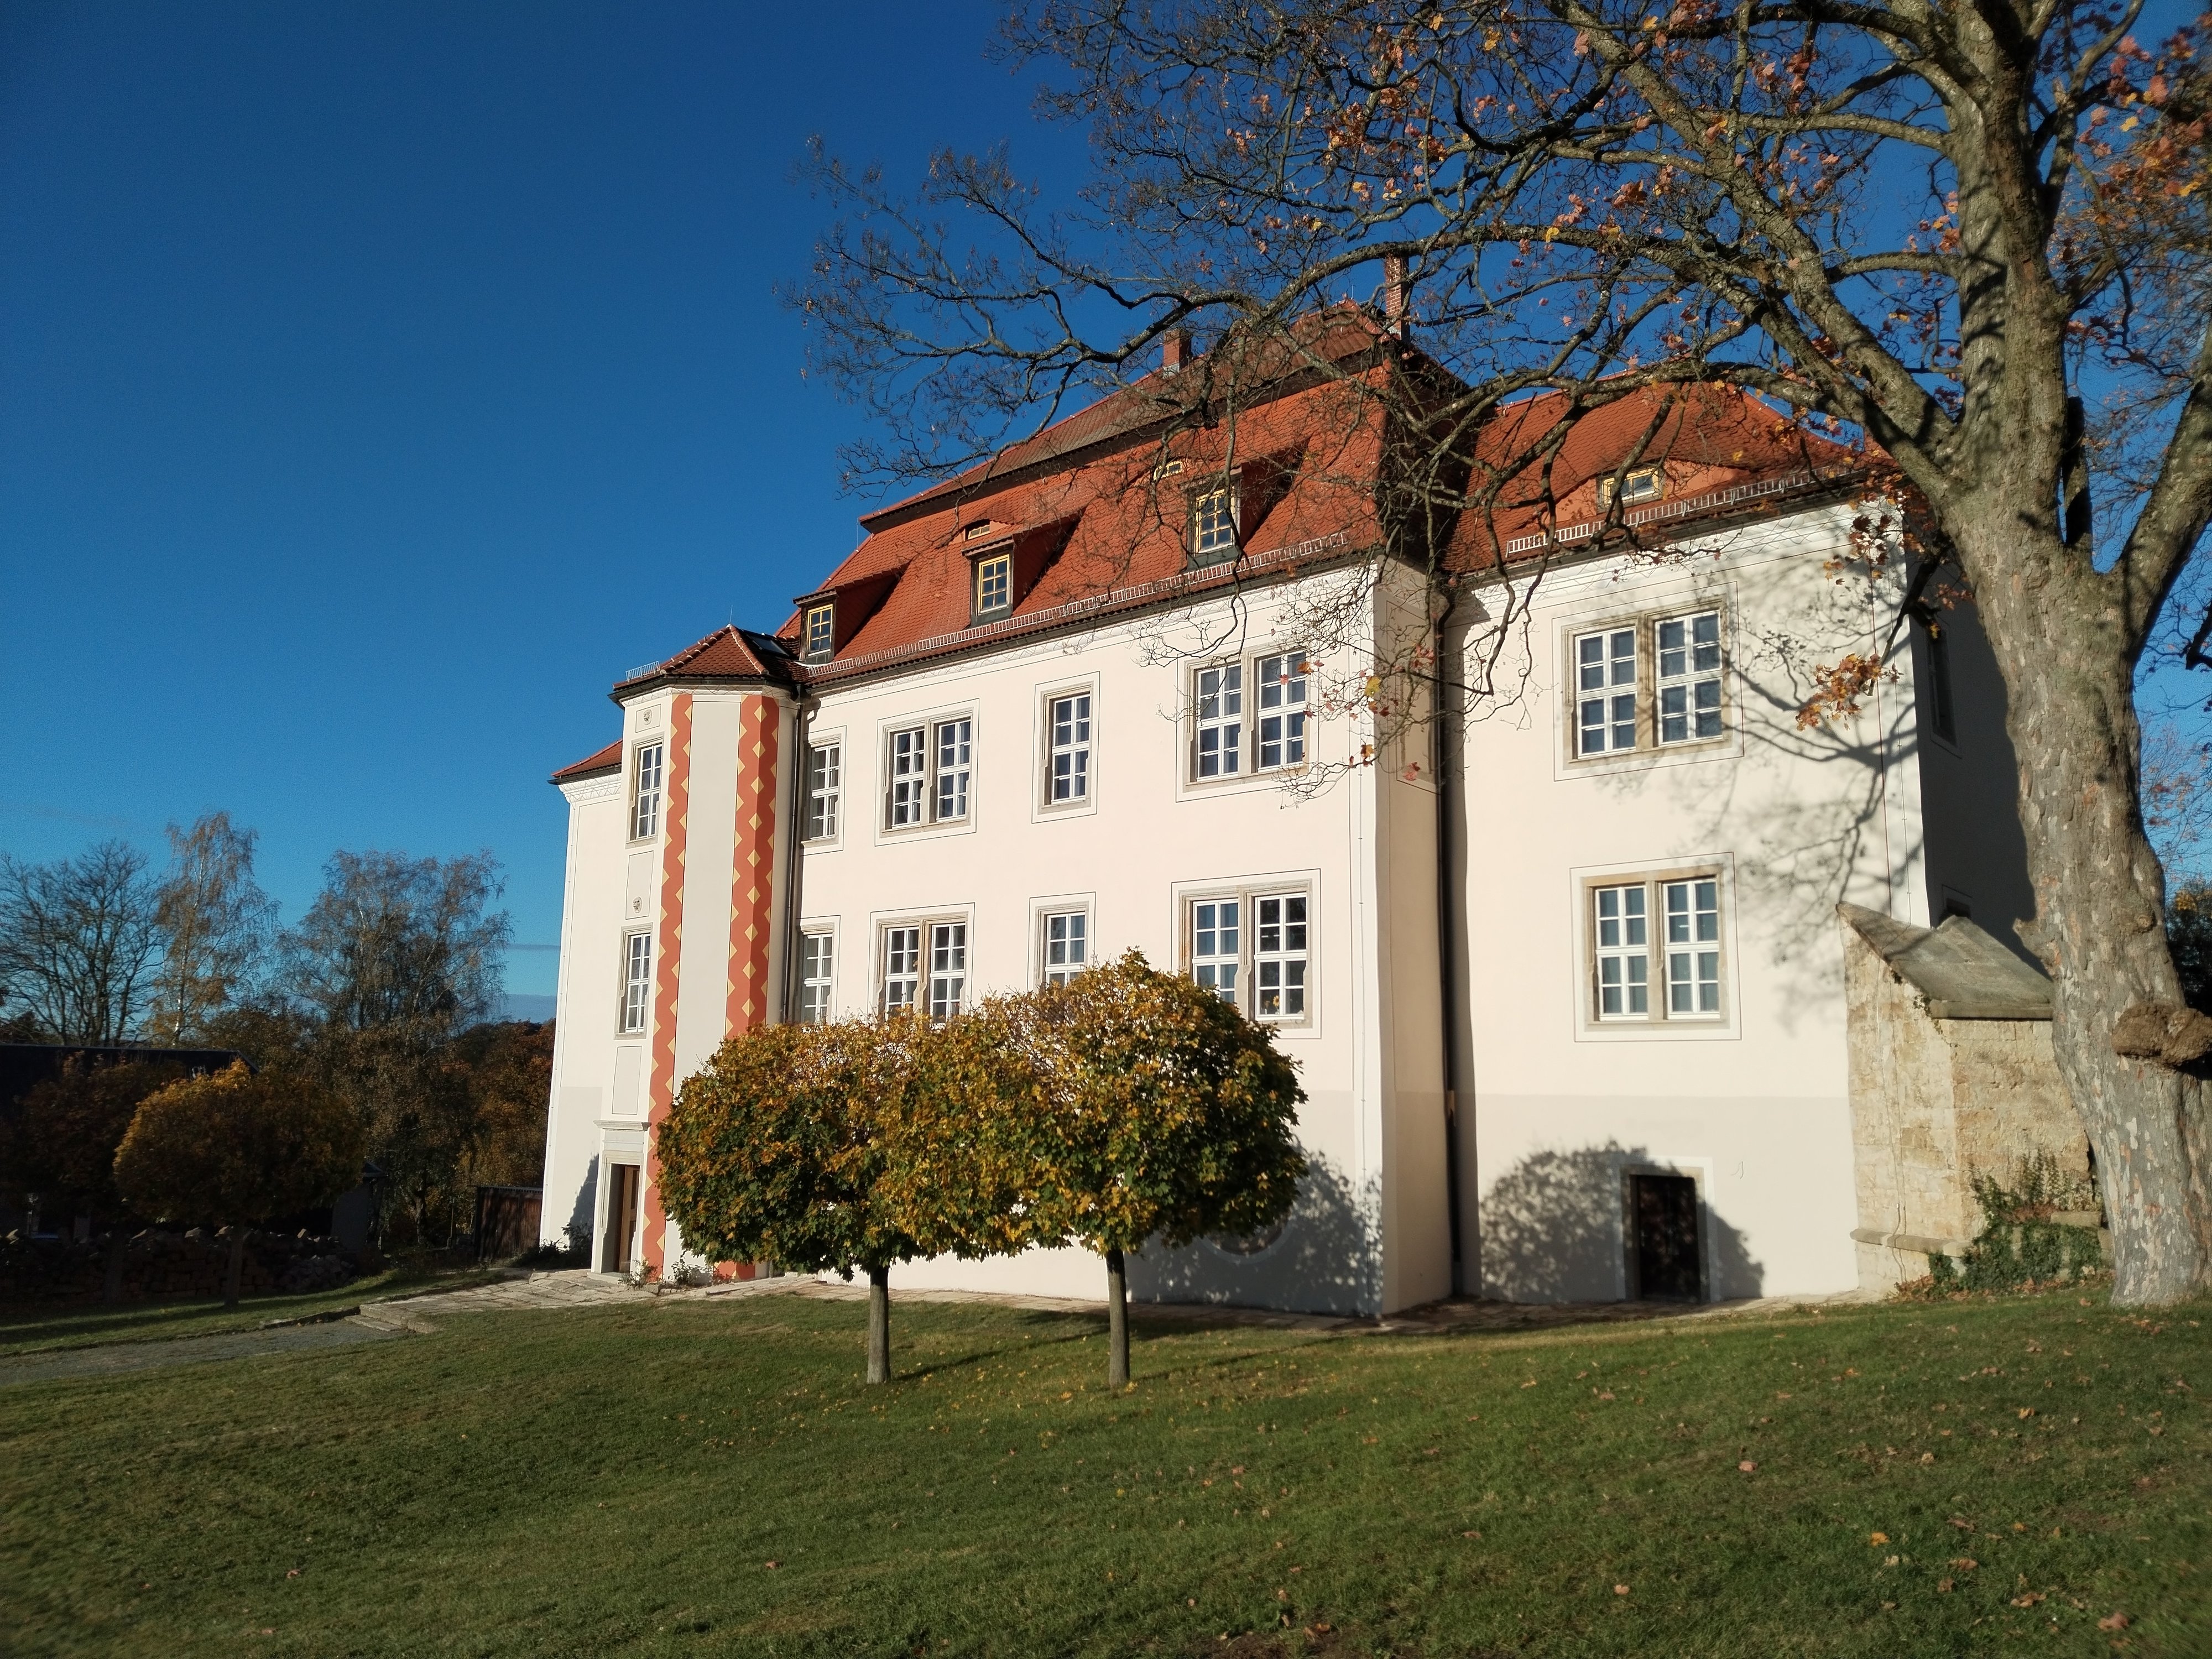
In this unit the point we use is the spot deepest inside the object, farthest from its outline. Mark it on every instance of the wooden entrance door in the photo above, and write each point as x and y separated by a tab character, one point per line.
622	1218
1664	1247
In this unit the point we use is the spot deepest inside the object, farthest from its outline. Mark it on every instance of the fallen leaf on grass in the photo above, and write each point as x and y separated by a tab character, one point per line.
1943	1587
2114	1621
2028	1600
1965	1563
1877	1538
1620	1589
1746	1465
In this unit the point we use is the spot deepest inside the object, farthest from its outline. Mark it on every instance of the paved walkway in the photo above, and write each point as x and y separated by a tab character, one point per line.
576	1288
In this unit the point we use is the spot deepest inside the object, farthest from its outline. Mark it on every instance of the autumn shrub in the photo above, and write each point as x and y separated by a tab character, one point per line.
237	1147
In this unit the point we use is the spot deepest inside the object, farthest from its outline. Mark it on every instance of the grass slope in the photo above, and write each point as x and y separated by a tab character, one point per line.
701	1478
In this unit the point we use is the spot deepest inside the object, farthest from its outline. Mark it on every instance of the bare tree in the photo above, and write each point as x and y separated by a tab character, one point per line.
79	942
215	923
1970	240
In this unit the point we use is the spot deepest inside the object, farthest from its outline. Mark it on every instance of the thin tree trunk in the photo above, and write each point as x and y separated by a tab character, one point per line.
118	1242
235	1272
1117	1322
879	1324
2100	902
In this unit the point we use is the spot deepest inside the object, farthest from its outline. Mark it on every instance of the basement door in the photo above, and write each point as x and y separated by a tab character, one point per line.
1663	1244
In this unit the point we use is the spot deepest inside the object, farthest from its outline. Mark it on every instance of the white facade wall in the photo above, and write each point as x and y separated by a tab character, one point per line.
1752	1106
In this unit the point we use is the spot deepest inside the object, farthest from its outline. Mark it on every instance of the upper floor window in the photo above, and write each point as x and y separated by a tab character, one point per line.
1639	483
821	630
637	981
994	584
817	963
1669	971
645	793
1213	522
1690	678
929	770
1069	780
1066	946
825	787
1220	720
1282	722
1605	690
1621	703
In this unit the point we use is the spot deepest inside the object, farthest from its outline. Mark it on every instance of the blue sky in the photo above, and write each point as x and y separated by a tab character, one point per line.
377	382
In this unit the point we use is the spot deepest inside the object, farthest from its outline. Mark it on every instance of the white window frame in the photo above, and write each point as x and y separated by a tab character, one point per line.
1067	759
1227	726
646	802
1597	690
1638	485
903	953
1214	526
1708	976
1692	676
1072	926
1279	691
818	976
1282	956
994	600
929	782
1620	924
946	969
1214	943
824	790
634	1011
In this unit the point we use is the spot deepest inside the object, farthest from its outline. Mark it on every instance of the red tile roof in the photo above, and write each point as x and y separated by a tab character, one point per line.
727	653
608	759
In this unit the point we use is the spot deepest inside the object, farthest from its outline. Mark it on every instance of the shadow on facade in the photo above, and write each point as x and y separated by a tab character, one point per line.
1326	1260
1555	1229
583	1217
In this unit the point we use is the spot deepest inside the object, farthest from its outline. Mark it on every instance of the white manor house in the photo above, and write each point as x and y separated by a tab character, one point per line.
1569	1009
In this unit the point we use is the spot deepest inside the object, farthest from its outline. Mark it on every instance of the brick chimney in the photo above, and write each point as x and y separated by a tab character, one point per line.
1175	350
1394	293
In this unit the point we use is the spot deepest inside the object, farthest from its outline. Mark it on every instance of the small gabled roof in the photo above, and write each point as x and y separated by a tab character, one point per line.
727	653
608	759
1961	971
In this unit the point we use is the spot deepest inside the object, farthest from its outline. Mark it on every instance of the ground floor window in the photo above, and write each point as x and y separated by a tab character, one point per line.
1066	946
1254	949
817	963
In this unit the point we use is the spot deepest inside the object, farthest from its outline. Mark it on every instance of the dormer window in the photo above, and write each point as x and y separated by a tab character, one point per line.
995	585
1641	484
821	630
1213	522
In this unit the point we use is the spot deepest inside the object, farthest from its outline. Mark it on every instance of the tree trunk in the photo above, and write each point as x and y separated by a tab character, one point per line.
118	1242
2101	900
879	1324
235	1272
1117	1322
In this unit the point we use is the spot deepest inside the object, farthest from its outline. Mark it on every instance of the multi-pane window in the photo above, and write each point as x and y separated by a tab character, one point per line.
909	800
1213	522
955	754
1624	952
637	981
818	965
1220	720
1690	678
1279	957
645	793
824	783
1656	949
1605	691
1641	484
1070	778
948	968
821	630
929	767
1694	946
994	583
902	970
1215	950
1282	715
1066	946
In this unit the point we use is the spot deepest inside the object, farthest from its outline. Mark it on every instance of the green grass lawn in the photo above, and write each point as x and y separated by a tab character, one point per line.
710	1477
81	1325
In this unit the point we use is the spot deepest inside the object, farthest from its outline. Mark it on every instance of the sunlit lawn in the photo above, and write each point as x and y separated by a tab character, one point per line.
710	1477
